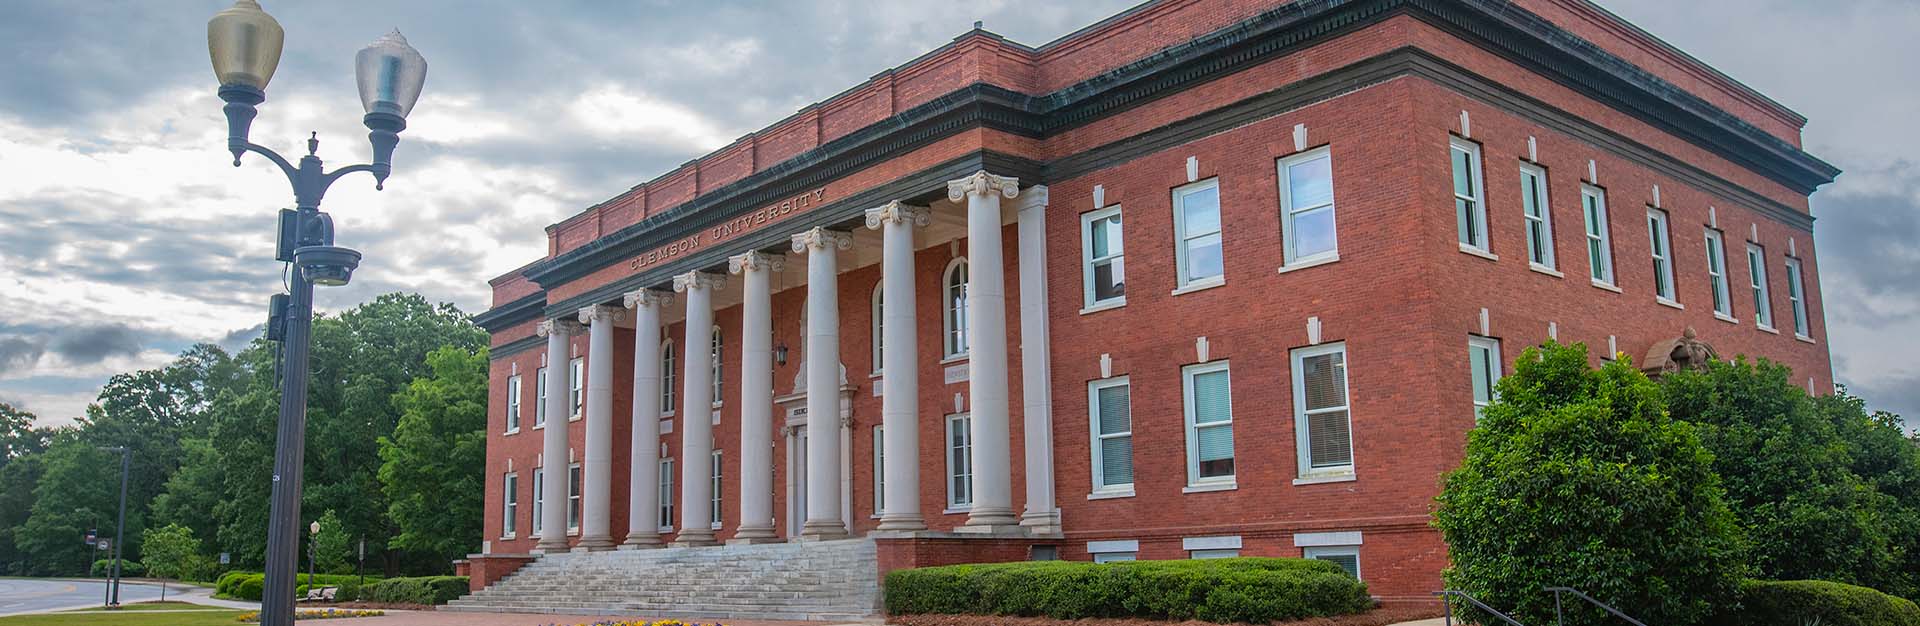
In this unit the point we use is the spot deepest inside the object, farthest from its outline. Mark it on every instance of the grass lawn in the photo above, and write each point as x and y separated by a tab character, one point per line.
113	618
156	606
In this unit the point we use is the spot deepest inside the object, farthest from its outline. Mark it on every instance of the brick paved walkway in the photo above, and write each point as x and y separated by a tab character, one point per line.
451	618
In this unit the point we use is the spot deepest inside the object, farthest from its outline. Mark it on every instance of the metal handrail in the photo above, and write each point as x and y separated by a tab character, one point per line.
1576	592
1477	603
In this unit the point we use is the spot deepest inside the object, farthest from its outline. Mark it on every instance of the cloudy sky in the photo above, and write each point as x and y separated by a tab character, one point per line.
125	235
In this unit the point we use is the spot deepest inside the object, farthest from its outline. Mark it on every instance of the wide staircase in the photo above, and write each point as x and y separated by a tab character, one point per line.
827	580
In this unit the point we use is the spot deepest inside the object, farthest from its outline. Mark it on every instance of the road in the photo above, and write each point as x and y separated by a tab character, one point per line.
34	595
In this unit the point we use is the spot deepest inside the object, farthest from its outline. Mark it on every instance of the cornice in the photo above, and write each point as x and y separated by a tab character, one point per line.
498	318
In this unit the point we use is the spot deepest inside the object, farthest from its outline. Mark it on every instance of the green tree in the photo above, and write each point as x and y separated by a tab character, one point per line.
1786	470
333	547
172	552
1579	478
18	436
191	496
78	489
1880	452
432	465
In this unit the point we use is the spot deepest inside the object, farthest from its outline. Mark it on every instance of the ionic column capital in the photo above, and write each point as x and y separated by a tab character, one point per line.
559	326
898	213
819	238
755	260
602	313
647	298
983	184
698	280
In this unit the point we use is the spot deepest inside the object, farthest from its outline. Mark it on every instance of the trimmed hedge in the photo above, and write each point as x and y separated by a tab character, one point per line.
1248	589
128	568
1798	602
417	590
250	585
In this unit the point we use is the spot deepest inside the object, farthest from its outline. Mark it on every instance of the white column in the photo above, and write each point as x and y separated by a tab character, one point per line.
643	501
696	410
987	350
596	490
900	361
824	520
1036	377
756	395
553	455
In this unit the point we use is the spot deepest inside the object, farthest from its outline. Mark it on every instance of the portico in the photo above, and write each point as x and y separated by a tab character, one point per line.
750	430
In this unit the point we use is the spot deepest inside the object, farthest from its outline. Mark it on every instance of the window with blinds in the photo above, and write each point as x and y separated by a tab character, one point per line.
1661	243
1196	226
1593	205
1306	207
1796	295
1347	557
513	405
1469	217
540	398
959	461
1209	400
1717	274
1111	411
1534	203
1762	298
1320	406
1103	258
1484	353
509	504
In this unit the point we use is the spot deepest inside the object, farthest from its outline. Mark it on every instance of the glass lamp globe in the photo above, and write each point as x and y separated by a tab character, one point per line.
390	74
245	44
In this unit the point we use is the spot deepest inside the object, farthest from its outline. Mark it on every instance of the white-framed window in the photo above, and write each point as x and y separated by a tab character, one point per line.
1717	273
1539	211
1320	405
539	499
1196	231
1111	412
1757	273
513	404
954	320
540	399
1208	393
1797	295
1661	245
959	461
666	495
718	372
1221	553
714	510
1113	551
879	328
1347	557
1484	353
509	504
669	378
573	497
879	470
1306	207
1103	258
1593	203
1469	210
576	378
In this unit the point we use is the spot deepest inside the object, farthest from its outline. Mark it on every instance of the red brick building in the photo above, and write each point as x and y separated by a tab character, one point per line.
1208	277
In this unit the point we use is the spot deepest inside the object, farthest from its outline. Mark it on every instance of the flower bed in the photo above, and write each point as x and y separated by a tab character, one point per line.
307	614
670	622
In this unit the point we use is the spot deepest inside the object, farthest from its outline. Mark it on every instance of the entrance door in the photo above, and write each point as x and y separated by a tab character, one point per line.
796	480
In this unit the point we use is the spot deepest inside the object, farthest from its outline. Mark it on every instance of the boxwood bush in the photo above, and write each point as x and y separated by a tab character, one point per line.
250	585
417	590
1798	602
130	569
1248	589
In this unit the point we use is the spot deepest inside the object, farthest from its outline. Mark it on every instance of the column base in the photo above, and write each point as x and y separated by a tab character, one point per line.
638	541
990	517
753	541
1041	524
550	546
902	523
828	530
694	538
594	544
749	535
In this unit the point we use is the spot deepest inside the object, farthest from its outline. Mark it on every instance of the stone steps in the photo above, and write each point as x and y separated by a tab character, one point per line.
785	581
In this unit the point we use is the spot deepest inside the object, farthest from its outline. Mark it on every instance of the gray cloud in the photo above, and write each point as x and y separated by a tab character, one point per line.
19	352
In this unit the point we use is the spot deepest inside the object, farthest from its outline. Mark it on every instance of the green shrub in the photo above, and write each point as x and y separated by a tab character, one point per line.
230	584
225	584
1799	602
104	568
1580	478
250	587
416	590
1256	590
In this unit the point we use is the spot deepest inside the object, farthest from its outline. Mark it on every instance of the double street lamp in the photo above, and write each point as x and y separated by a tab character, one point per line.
245	45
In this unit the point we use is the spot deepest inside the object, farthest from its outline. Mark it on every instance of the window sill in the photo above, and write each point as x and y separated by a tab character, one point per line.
1768	329
664	530
1464	248
509	537
1669	303
1345	477
539	426
718	404
876	375
952	359
573	533
1605	285
1800	337
1206	487
714	526
574	418
1201	285
1725	318
1111	494
1302	264
957	511
667	415
1103	306
1545	270
515	431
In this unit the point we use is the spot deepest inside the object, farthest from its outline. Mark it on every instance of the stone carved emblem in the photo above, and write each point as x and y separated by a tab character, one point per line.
1686	352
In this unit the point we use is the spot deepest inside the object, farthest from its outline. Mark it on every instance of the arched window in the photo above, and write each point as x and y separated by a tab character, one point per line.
668	378
718	380
955	293
879	327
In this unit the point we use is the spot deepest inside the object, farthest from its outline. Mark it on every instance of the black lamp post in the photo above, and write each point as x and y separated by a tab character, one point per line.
120	527
244	43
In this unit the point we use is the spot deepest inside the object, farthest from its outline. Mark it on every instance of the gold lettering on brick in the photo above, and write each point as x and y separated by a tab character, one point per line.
727	229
